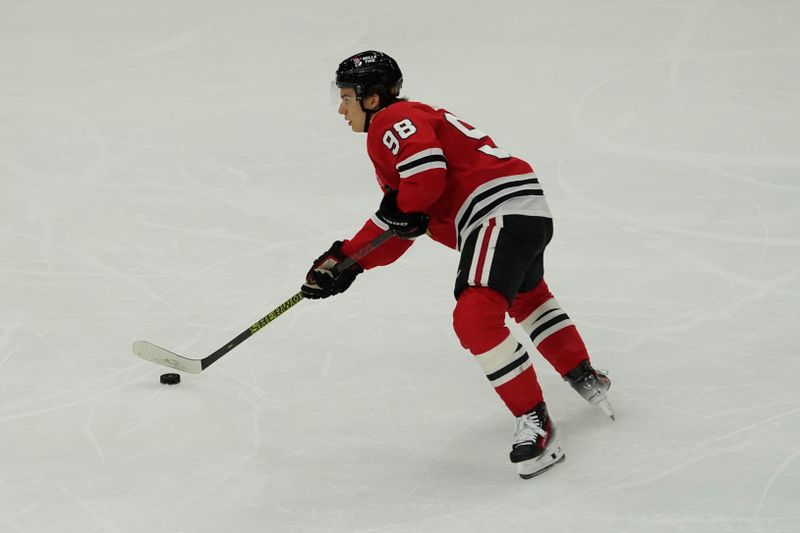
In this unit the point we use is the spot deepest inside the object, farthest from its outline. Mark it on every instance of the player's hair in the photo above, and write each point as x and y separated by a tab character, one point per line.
387	97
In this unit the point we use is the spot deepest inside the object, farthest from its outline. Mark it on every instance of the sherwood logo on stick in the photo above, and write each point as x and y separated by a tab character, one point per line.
275	313
157	354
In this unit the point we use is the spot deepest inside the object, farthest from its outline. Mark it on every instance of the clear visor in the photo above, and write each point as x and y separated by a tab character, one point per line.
336	94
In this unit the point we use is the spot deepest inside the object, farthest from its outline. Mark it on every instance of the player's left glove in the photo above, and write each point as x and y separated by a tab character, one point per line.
403	225
321	281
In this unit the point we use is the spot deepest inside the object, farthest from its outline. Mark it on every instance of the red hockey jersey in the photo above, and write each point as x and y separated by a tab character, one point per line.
447	169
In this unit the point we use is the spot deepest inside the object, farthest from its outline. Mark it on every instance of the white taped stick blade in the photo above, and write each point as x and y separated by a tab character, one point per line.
159	355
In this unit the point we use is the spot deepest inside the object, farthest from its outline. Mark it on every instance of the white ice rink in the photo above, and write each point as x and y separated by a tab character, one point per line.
169	169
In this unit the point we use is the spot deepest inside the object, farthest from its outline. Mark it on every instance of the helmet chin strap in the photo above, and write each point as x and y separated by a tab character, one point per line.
360	91
368	112
367	119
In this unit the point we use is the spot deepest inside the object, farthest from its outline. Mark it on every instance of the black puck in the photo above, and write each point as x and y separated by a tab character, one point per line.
170	379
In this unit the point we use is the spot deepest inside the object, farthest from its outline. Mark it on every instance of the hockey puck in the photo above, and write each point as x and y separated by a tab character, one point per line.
170	379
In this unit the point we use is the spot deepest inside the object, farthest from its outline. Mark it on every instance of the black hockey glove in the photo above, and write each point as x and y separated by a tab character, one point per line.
403	225
321	281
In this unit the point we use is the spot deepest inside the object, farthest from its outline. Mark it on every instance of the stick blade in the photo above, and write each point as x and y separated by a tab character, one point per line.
156	354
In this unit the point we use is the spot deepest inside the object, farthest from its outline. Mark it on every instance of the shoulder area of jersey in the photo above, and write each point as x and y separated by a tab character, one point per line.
400	110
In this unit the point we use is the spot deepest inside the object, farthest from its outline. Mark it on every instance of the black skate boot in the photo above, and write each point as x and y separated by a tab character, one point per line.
591	385
536	447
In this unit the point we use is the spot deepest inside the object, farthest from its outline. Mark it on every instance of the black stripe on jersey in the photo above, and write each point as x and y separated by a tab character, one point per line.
491	205
550	323
510	366
422	161
494	190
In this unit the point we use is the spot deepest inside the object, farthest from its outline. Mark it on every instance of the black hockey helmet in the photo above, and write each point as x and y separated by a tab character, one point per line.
371	73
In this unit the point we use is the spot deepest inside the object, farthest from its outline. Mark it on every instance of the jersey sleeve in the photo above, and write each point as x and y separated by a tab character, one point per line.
386	253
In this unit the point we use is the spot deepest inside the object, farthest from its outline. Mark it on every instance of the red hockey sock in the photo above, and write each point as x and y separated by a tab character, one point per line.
550	329
479	322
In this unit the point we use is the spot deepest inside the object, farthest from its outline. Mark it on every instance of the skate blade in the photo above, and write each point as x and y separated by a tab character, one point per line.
546	461
605	405
539	469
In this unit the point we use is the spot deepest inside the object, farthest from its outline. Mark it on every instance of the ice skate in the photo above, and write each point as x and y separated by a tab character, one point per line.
536	446
591	385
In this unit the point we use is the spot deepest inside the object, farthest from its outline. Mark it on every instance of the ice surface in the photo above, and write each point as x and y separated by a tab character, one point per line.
168	170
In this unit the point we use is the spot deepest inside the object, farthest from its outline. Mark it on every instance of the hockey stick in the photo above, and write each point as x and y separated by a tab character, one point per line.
157	354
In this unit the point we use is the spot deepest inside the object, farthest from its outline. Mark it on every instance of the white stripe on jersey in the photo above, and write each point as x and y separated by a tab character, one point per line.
414	165
501	196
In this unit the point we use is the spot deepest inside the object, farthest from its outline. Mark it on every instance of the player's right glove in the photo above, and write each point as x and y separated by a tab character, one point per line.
403	225
321	282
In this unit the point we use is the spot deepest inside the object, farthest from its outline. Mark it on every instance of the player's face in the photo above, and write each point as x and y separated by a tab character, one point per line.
350	108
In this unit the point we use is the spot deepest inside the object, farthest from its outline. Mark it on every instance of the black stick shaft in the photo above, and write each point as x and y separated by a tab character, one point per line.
288	304
361	252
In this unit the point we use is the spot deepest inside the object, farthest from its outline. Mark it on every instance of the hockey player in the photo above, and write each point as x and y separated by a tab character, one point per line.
446	178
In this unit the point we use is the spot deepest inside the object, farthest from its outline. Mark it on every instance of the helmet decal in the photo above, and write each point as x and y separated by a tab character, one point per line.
370	71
